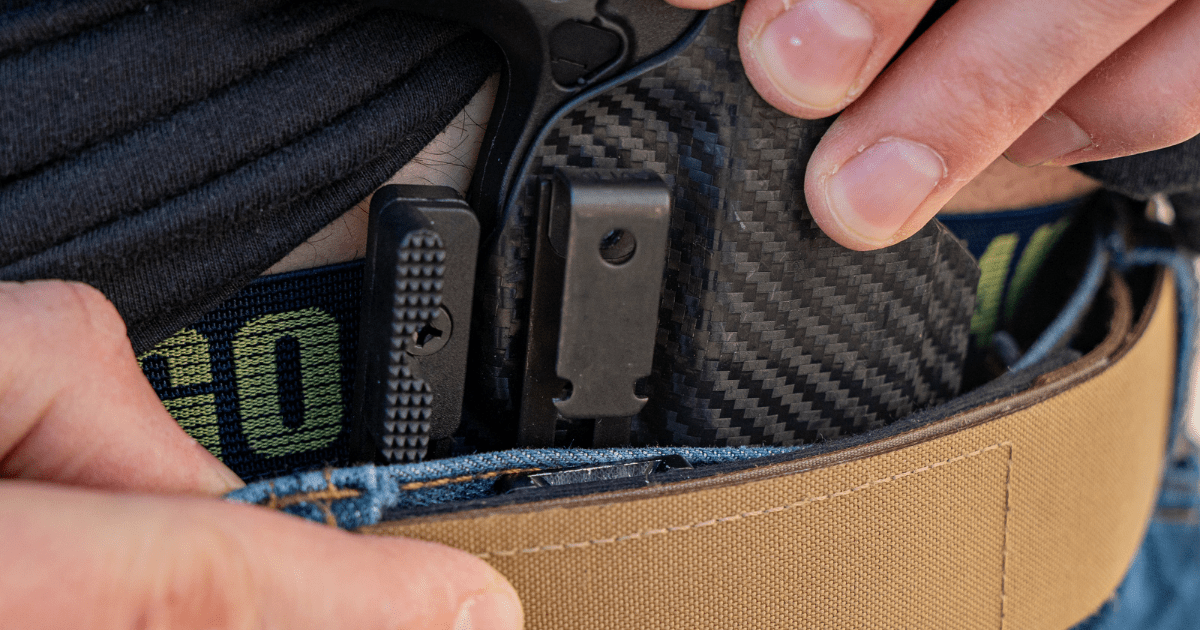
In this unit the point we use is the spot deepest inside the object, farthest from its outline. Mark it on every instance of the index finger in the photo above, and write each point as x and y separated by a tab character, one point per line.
951	104
172	562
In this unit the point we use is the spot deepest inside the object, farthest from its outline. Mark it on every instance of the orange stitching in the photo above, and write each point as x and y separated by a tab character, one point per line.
272	499
333	493
327	510
326	506
746	515
322	499
417	485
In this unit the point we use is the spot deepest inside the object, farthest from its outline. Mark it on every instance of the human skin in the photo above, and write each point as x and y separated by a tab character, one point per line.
1053	82
109	519
106	517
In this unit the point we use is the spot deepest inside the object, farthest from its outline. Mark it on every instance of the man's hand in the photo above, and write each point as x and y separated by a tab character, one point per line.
1042	81
121	552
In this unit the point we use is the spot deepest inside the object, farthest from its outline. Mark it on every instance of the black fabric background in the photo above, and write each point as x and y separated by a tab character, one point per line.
169	152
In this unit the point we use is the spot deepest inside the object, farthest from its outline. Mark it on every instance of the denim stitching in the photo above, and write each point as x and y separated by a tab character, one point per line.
322	499
434	483
334	493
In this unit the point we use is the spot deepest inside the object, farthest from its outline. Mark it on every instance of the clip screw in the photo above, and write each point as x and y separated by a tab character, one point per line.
433	336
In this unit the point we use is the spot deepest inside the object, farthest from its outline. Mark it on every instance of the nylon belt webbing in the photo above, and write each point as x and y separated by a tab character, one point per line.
1020	513
265	380
1010	247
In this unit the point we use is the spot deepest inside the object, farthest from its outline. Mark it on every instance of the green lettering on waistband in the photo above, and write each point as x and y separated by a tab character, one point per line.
188	364
254	356
993	271
1035	253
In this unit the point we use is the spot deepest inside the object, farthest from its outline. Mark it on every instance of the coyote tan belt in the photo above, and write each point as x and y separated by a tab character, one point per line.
1022	513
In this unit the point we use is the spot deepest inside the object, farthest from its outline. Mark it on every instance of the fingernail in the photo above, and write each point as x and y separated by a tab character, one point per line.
490	611
227	480
1052	136
874	194
815	50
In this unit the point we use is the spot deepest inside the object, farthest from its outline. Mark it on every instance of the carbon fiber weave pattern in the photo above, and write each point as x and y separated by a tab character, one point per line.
769	332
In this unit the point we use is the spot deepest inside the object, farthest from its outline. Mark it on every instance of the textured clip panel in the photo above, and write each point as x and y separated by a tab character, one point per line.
410	405
418	285
768	331
417	280
416	299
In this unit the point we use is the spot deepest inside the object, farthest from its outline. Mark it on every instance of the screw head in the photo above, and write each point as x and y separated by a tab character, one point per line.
433	336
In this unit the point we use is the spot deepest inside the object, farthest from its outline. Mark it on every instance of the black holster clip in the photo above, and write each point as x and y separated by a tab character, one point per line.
597	283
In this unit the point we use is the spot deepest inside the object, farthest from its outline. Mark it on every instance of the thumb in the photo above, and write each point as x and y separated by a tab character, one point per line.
74	405
85	559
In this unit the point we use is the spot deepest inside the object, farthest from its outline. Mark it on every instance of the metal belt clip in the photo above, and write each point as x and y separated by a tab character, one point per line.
598	270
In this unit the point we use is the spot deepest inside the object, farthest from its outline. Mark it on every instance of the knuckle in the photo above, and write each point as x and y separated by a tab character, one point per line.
98	315
59	307
33	311
83	317
205	581
986	104
998	87
44	322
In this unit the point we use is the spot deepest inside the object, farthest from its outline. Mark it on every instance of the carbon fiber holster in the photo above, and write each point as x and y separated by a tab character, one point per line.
768	332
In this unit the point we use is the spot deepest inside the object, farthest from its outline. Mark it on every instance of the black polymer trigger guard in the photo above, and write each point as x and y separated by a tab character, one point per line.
529	99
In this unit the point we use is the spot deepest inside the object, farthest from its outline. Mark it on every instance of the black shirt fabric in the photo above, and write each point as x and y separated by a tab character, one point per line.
167	153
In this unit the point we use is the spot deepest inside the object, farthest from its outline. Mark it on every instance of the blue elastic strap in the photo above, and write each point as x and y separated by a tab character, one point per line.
1068	318
1185	284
